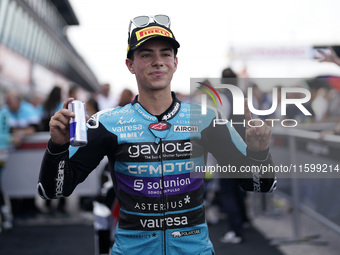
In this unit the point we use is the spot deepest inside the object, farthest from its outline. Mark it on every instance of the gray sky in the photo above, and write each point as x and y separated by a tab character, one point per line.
206	30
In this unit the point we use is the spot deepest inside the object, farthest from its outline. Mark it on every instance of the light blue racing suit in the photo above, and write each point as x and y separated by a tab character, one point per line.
153	161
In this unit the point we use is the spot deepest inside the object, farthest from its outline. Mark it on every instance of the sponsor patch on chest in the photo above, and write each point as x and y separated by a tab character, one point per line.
185	128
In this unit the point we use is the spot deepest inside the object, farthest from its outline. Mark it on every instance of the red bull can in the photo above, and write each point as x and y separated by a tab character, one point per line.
78	133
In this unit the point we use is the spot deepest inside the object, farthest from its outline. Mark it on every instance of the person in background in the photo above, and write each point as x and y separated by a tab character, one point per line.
5	139
332	57
23	118
293	112
92	106
73	91
229	76
320	104
37	101
105	99
231	196
52	104
23	122
125	97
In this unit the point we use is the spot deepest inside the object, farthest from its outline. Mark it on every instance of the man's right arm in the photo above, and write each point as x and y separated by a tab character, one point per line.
52	172
64	167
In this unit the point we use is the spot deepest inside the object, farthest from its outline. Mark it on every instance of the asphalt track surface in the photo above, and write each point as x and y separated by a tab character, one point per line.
64	236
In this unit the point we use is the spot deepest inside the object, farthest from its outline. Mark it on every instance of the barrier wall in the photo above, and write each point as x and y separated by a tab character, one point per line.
22	169
317	194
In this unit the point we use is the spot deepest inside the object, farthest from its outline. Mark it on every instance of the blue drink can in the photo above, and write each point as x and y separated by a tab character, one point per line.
78	133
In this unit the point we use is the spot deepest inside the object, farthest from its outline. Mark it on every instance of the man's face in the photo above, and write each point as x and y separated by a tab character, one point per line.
154	64
106	89
13	102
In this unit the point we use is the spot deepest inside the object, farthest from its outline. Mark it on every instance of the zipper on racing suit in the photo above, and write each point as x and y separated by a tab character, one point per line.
160	131
163	200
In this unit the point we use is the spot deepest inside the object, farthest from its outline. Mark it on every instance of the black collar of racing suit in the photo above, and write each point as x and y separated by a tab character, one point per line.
170	112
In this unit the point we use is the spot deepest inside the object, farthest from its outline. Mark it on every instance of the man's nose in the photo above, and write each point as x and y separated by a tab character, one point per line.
157	61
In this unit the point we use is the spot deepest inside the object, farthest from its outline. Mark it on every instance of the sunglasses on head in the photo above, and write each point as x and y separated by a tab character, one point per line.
143	21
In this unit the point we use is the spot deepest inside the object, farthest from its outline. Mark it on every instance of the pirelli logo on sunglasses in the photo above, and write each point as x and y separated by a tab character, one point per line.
152	31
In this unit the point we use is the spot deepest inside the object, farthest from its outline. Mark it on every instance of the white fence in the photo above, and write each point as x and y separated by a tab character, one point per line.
314	186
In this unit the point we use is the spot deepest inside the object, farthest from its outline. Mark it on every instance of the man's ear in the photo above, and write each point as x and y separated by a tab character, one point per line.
129	64
176	62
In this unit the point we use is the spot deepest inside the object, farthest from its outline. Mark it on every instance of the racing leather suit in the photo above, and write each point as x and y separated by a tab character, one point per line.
151	160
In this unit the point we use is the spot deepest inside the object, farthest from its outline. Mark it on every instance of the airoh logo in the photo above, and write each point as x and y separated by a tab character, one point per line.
185	128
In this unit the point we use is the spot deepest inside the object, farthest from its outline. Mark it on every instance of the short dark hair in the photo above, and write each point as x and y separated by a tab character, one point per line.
228	73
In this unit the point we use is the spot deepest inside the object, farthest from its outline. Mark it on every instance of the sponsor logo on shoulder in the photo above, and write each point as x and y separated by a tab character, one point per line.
173	112
118	110
93	122
186	233
185	128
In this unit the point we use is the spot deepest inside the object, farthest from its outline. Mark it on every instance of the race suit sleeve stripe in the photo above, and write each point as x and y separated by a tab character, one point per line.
237	139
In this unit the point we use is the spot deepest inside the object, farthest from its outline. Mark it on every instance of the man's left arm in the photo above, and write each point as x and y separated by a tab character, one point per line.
258	136
247	160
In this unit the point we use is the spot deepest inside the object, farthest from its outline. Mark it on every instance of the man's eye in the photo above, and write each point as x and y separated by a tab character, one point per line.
146	55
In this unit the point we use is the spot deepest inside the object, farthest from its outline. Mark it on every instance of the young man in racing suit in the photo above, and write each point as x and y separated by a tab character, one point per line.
153	149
